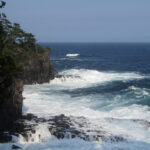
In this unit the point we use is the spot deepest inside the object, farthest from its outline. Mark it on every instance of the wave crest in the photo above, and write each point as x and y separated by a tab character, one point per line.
72	55
85	77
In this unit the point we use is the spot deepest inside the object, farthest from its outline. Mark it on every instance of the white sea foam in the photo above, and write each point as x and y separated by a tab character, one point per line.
133	88
140	91
78	78
55	104
72	55
78	144
49	99
41	134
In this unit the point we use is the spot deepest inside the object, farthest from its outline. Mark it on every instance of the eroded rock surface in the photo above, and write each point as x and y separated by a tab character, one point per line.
10	102
62	127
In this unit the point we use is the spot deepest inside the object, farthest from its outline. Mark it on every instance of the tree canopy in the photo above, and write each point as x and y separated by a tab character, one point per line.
13	39
12	35
2	4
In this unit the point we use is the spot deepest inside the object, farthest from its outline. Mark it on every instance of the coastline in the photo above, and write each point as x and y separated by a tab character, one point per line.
89	108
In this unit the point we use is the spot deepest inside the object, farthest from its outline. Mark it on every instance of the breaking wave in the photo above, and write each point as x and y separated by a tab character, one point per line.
79	78
113	113
73	93
72	55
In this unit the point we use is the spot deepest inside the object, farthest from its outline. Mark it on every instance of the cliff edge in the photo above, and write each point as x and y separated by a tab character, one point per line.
22	61
35	68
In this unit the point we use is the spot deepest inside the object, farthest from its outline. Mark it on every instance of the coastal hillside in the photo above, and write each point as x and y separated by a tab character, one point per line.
22	61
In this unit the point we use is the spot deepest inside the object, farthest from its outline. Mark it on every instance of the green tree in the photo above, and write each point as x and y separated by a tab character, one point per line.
3	34
17	34
8	65
12	36
2	4
29	40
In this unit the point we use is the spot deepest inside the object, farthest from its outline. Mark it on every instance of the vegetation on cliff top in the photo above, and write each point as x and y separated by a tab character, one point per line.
15	44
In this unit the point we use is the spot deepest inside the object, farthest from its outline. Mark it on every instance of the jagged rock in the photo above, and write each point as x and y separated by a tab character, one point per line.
63	126
38	68
10	102
15	147
29	116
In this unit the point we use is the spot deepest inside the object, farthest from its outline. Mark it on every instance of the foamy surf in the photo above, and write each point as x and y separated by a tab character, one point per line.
79	78
72	55
111	114
115	114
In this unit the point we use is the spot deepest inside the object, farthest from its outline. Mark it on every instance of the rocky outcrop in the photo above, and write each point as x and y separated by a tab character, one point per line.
61	126
37	68
10	101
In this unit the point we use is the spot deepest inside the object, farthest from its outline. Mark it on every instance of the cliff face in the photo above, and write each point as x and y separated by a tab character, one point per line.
10	101
38	69
22	61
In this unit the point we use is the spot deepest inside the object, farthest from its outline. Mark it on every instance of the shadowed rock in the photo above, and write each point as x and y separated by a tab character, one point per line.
62	126
15	147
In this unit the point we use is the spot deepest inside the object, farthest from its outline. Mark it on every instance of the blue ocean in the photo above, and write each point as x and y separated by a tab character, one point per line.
106	83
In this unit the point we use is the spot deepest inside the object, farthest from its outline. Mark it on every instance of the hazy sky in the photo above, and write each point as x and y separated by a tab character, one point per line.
83	20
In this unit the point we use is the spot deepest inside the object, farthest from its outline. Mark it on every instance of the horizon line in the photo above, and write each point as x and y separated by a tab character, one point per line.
101	42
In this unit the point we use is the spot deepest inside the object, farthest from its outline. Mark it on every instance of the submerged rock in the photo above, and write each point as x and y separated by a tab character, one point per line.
15	147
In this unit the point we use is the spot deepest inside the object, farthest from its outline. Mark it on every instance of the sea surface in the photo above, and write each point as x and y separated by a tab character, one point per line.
107	83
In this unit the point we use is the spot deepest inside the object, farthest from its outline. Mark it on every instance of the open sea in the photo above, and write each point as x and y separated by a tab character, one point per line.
107	83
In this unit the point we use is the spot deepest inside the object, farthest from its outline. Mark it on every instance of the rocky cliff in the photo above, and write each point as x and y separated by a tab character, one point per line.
38	68
22	61
10	101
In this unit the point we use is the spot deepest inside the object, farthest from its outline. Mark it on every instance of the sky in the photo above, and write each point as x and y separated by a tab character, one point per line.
83	20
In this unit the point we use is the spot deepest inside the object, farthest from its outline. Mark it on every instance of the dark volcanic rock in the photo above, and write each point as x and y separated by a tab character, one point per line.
15	147
10	102
4	138
38	68
63	127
